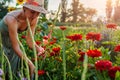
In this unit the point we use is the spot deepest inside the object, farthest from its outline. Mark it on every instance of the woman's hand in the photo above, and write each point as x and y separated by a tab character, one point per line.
40	50
32	68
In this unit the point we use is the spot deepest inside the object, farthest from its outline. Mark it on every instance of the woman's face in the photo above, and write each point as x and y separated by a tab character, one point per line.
31	14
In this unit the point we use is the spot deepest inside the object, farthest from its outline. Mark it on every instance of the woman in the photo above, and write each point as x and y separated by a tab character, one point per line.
15	22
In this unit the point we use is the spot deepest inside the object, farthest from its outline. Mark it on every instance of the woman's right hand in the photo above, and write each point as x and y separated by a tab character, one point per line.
40	50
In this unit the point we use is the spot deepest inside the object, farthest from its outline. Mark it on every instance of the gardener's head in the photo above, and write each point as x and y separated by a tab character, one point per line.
32	8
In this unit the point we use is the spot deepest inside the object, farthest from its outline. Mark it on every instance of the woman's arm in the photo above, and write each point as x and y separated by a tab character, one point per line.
12	28
28	38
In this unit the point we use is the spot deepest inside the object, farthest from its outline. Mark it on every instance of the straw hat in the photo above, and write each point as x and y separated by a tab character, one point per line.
36	5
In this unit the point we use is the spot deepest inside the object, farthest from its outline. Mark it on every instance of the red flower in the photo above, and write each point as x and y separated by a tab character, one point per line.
23	36
52	53
117	48
54	38
75	37
103	65
112	71
38	42
52	42
41	72
62	27
93	36
94	53
111	25
81	58
45	37
56	49
80	52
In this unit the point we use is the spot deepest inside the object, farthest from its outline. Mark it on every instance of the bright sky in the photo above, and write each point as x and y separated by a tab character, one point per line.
98	4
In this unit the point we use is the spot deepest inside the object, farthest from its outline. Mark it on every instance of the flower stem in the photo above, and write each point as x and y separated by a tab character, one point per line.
2	56
48	76
85	68
9	67
28	76
34	50
64	57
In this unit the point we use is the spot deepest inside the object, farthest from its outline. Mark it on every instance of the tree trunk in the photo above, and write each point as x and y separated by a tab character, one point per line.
63	12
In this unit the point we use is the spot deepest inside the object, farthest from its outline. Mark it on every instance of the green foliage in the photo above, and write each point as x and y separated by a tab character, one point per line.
3	10
6	1
79	24
117	77
44	25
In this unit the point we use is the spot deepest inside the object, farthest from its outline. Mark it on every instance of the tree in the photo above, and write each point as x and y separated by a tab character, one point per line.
75	10
89	12
108	9
117	11
78	13
63	11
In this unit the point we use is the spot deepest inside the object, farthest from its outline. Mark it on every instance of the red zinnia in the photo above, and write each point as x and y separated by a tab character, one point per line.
111	25
81	58
103	65
54	38
41	72
45	37
52	53
117	48
38	42
94	53
112	71
52	42
62	27
75	37
56	49
93	36
23	36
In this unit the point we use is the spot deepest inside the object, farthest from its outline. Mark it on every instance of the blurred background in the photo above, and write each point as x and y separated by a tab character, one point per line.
73	12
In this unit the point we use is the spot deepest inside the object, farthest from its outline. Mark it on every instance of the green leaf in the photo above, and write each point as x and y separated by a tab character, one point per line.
7	1
117	76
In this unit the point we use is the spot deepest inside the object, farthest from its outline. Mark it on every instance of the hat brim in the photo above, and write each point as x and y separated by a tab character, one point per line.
36	8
